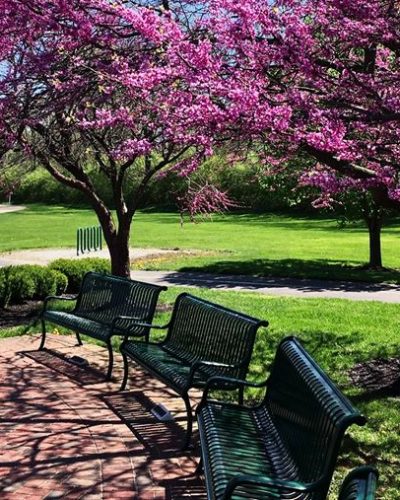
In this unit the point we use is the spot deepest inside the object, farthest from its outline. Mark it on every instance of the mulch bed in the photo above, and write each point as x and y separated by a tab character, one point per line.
377	375
23	314
20	314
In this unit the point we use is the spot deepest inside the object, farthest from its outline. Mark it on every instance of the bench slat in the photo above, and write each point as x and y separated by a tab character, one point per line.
202	330
293	435
101	300
199	331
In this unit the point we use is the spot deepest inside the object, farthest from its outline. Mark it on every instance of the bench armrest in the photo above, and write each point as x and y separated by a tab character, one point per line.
135	321
55	297
199	364
268	482
220	381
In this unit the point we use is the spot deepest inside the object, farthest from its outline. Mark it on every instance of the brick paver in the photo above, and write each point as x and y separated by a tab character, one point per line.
66	433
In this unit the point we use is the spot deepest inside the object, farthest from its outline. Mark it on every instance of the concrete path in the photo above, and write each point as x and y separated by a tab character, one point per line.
66	433
10	208
276	286
291	287
44	256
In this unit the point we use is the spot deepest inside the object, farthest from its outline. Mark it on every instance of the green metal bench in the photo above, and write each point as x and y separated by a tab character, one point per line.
285	447
105	306
359	484
203	340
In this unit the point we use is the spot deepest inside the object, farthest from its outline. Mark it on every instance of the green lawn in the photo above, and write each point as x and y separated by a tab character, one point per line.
260	244
339	334
41	226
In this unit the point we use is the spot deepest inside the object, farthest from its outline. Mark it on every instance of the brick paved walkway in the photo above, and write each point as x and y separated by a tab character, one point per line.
65	433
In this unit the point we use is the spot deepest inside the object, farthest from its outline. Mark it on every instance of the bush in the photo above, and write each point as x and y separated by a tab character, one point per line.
17	285
3	280
75	270
50	282
28	282
40	187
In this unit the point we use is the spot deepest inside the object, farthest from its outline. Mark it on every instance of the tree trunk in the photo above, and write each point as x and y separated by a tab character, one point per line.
374	222
117	241
119	253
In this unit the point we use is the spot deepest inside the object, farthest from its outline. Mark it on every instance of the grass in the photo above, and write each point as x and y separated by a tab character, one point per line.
41	226
338	334
258	244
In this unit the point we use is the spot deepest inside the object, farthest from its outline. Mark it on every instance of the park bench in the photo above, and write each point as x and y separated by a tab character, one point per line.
284	447
105	306
359	484
203	340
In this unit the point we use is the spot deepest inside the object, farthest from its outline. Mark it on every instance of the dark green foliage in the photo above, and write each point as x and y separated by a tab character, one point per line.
39	186
248	183
50	282
29	282
75	270
18	285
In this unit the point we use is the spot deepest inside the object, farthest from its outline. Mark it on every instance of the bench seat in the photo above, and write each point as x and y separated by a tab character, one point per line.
85	326
284	447
203	339
104	307
167	366
248	438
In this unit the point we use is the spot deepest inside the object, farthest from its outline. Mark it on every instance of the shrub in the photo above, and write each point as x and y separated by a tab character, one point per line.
3	281
39	185
75	269
19	283
49	282
61	281
4	271
246	182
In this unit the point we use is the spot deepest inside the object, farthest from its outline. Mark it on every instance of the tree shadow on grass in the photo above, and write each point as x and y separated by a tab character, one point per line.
319	269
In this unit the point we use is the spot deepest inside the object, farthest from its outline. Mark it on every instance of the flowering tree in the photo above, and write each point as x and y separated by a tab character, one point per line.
110	84
151	86
320	77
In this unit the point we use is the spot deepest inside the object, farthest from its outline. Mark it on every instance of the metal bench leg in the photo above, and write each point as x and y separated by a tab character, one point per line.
110	360
199	468
78	338
41	347
241	395
125	378
189	422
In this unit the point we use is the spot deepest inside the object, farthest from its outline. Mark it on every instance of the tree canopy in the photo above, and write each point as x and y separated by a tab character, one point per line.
153	86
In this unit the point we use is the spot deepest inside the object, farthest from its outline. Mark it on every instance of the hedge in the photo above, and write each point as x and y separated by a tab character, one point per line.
29	282
32	282
75	270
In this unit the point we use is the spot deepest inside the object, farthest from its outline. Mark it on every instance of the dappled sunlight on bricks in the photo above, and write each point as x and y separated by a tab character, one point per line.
69	434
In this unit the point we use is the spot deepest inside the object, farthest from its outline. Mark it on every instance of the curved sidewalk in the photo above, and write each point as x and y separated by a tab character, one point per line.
289	287
6	208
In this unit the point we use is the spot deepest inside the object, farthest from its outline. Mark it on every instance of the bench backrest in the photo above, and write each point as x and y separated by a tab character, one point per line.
103	297
309	412
359	484
202	330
